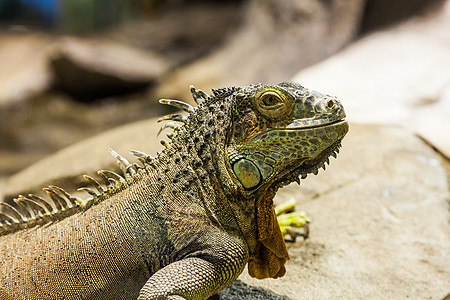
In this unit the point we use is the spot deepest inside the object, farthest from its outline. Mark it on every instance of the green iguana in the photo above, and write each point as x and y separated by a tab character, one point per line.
182	225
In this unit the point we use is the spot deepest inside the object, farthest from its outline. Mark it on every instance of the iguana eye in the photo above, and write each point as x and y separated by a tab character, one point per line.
270	99
273	102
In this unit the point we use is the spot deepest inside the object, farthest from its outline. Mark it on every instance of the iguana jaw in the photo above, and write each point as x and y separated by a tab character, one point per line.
300	168
309	166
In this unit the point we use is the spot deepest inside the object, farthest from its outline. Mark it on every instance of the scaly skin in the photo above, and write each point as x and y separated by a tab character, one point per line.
184	224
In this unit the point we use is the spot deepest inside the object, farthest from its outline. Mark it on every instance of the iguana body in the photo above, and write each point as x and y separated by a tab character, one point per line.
185	223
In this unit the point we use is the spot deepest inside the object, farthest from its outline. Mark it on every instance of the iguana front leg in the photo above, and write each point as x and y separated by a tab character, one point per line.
198	276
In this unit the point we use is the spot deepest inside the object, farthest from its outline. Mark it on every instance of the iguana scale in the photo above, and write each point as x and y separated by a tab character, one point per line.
182	225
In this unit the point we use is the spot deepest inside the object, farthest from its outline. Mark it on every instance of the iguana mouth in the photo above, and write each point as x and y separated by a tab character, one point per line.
296	125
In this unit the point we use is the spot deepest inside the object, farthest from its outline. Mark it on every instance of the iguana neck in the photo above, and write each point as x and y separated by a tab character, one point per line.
197	157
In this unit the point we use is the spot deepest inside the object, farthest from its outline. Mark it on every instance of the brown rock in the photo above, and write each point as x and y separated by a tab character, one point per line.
99	68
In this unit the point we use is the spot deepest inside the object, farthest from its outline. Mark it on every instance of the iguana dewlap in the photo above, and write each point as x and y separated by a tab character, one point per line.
183	224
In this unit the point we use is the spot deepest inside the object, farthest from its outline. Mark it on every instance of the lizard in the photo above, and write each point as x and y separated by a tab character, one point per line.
183	224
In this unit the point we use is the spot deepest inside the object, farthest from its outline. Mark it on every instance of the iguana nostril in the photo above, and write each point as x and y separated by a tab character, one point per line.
330	104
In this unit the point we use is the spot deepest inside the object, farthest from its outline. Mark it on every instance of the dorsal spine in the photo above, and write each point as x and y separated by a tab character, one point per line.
33	210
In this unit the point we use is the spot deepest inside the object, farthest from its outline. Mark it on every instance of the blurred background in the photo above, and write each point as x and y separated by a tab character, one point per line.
72	68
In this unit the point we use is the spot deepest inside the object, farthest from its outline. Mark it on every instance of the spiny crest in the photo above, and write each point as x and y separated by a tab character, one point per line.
32	210
224	92
178	104
199	98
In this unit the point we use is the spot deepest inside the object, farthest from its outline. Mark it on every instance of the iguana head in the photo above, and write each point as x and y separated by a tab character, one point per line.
281	132
278	133
265	135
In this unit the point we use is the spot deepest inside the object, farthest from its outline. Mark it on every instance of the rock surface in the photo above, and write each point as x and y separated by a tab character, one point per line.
379	214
